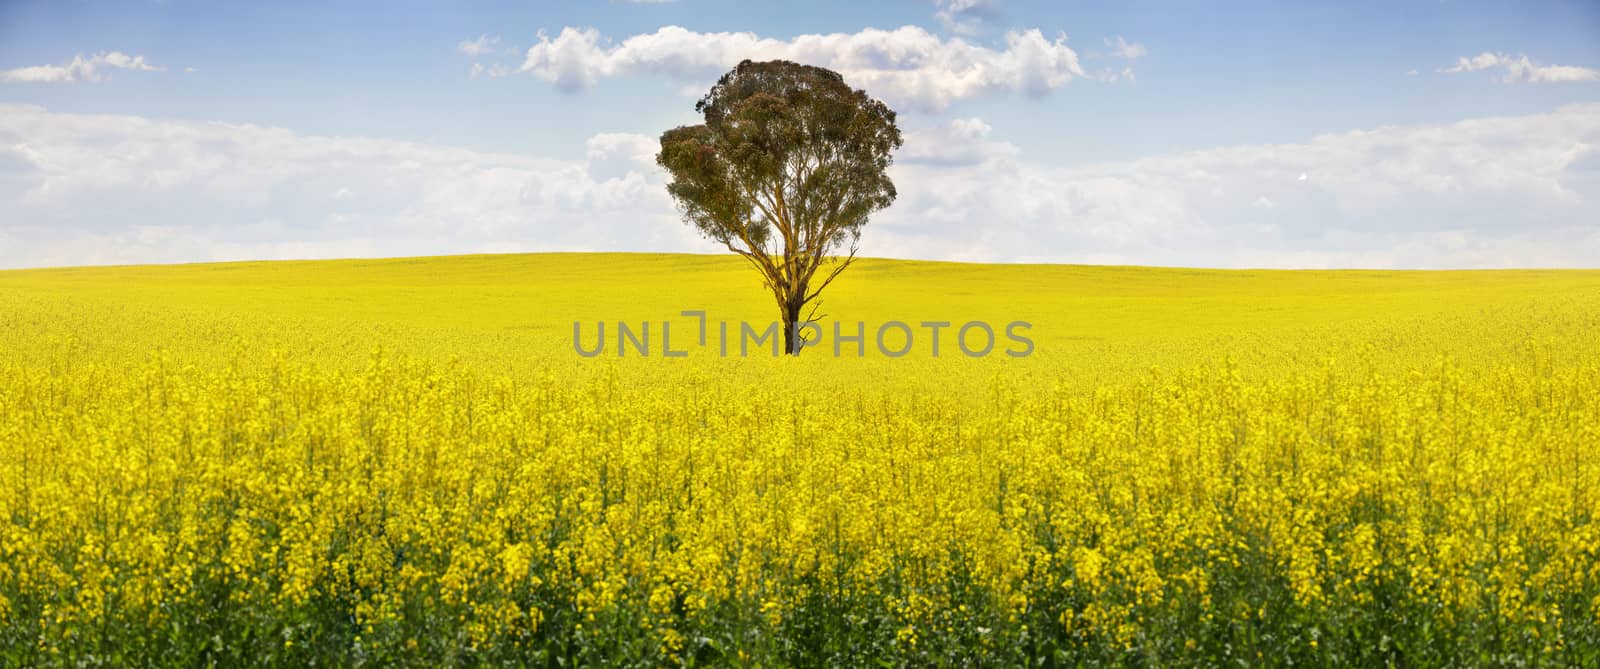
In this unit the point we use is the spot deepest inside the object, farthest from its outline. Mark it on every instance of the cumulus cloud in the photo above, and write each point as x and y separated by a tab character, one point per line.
484	44
961	142
965	17
80	68
615	155
1522	69
908	66
493	71
1122	48
81	188
1111	75
1492	192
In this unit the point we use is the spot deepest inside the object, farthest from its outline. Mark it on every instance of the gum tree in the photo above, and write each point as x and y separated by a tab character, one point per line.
785	170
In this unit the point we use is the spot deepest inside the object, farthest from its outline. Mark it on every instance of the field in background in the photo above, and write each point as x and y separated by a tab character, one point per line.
404	461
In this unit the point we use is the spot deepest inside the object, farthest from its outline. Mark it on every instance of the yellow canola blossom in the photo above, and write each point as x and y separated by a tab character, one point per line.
404	462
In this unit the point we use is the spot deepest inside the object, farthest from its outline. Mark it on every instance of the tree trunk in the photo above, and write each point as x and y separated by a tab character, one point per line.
791	317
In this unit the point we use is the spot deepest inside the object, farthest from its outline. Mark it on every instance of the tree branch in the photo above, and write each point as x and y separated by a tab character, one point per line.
848	260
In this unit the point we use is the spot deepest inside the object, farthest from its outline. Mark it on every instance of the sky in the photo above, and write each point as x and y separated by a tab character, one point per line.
1395	134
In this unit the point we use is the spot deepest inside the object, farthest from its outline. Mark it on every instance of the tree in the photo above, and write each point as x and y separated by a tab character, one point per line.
785	170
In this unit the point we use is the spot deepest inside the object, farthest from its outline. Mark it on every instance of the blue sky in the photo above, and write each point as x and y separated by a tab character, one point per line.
1157	133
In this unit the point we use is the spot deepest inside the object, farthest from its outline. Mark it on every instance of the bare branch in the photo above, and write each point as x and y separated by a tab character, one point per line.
848	260
813	317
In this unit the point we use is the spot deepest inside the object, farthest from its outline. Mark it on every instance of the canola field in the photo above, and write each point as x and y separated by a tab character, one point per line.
405	463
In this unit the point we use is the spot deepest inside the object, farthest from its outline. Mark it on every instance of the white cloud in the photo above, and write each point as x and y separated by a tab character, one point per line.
1522	69
957	143
1110	75
965	17
619	155
484	44
1122	48
492	71
907	67
79	188
1511	191
1493	192
78	69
